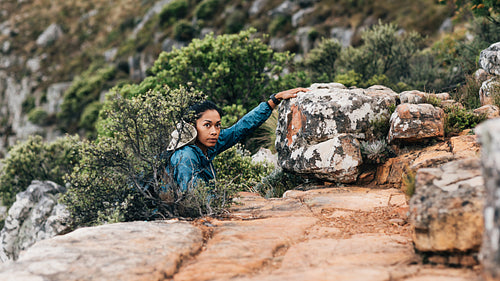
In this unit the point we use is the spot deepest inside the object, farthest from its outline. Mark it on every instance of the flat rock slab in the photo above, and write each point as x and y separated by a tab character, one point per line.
340	233
121	251
348	198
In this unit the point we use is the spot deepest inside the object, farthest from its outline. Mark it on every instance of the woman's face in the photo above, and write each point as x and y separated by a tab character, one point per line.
208	128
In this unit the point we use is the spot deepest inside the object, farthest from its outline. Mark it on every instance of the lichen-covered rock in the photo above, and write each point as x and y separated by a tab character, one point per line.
460	147
318	132
488	89
489	110
51	34
414	122
489	137
34	216
489	59
446	209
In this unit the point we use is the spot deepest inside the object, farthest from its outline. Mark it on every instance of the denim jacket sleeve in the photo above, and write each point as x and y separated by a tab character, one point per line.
246	125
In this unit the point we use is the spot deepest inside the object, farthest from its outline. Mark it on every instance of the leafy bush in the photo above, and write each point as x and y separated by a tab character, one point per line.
83	91
351	78
122	174
229	69
383	51
232	113
458	119
38	116
35	159
235	168
320	61
206	9
183	30
176	9
378	79
277	182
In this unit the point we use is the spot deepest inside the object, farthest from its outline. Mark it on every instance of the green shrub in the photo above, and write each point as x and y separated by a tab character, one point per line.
35	159
183	30
232	113
277	182
38	116
83	91
89	117
383	52
351	78
229	69
320	61
206	9
176	9
458	119
378	79
235	168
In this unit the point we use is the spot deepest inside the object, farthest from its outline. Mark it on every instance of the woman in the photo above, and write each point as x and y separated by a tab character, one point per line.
193	162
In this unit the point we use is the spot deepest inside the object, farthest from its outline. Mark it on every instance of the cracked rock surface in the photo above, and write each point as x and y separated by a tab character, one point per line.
340	233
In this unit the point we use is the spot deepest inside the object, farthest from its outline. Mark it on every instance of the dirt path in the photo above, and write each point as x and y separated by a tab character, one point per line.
350	233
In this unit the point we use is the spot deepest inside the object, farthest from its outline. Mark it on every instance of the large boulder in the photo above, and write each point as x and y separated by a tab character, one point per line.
446	209
120	251
317	132
489	59
34	216
414	122
489	136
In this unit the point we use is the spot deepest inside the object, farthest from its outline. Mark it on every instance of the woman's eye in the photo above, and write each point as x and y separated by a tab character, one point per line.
206	125
217	125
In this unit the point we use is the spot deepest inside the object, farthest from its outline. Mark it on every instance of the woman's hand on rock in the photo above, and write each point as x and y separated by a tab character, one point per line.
288	94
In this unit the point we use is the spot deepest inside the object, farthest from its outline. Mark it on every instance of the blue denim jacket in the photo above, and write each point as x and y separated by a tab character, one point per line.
190	164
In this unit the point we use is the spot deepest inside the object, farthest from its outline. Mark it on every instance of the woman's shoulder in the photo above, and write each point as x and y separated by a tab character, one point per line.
186	153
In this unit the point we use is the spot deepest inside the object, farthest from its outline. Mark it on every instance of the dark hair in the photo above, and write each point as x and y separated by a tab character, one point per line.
199	108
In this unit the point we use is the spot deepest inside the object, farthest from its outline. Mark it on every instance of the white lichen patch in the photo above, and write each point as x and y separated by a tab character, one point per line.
359	114
323	152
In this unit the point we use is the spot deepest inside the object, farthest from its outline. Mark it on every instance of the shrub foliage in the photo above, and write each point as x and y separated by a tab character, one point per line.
229	69
34	159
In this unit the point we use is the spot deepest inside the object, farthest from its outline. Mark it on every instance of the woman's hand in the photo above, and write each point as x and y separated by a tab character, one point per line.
288	94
